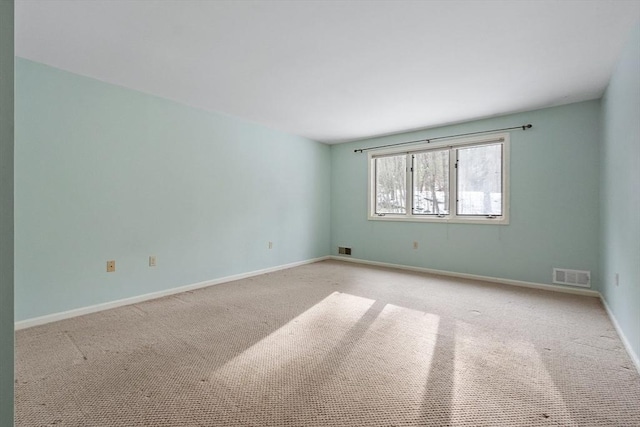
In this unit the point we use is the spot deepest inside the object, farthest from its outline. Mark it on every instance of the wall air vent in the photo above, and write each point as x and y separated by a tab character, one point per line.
563	276
344	251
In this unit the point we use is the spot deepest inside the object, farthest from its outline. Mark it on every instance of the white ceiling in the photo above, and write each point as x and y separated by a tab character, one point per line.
335	71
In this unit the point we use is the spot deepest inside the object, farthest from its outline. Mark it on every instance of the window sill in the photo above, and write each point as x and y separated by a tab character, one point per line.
446	220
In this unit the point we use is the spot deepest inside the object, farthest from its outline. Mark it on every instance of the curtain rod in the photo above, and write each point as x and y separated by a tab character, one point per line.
428	140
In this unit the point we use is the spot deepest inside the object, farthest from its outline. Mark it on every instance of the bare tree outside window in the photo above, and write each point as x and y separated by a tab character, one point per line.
391	184
431	183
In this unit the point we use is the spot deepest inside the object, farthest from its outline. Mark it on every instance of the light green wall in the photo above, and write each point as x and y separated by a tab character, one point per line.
553	209
6	212
103	172
620	194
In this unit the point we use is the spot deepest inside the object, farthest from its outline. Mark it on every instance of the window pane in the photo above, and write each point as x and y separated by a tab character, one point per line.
480	180
431	183
391	184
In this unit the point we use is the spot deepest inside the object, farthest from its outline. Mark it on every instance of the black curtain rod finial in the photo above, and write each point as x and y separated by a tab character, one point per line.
525	127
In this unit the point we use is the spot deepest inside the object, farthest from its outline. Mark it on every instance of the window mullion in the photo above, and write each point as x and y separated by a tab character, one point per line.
453	182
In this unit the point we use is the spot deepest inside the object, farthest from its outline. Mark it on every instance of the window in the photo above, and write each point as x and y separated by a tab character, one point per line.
391	193
454	181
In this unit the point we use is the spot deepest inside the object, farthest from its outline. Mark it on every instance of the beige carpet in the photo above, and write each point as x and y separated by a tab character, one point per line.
333	344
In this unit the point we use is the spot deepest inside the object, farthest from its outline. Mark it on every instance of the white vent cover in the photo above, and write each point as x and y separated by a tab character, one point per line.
563	276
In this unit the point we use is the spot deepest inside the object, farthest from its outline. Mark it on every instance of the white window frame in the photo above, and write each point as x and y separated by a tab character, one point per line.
452	217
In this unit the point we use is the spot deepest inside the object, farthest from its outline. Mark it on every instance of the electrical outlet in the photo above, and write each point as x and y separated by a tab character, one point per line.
111	266
152	261
270	245
415	245
617	279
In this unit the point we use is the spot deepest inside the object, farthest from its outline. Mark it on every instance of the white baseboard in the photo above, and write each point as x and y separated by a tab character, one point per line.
564	289
28	323
23	324
623	337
